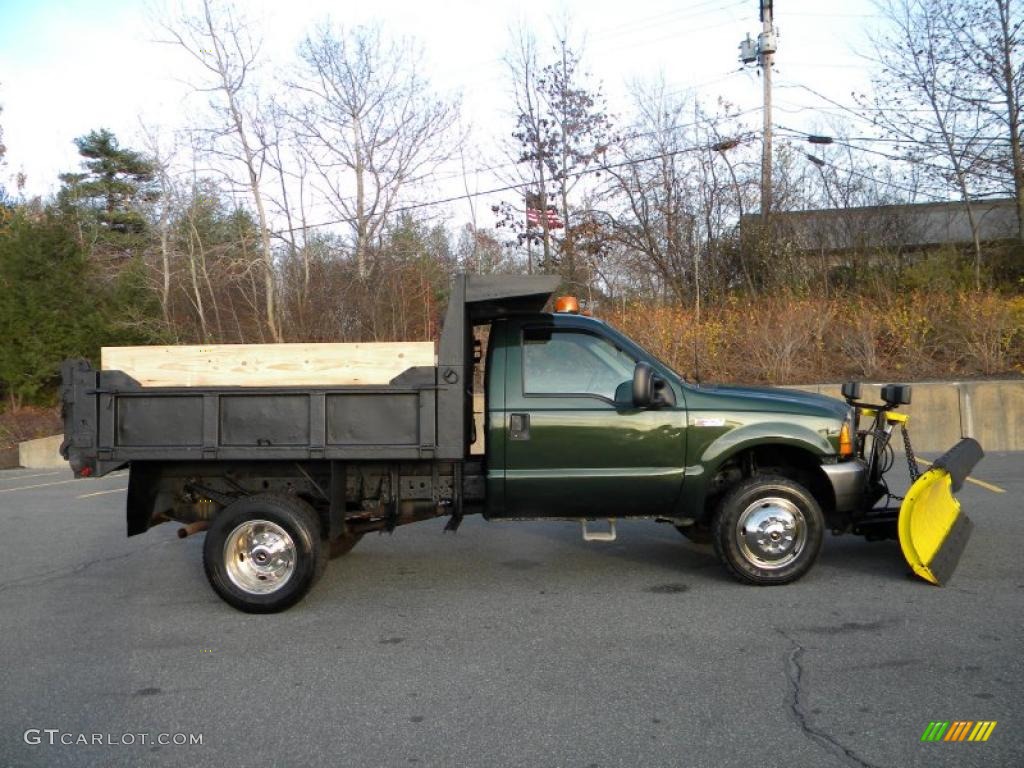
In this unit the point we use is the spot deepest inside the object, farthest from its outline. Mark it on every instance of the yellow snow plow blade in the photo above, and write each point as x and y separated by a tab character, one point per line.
933	531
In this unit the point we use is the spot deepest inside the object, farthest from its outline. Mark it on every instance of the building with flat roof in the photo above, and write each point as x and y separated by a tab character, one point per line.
893	227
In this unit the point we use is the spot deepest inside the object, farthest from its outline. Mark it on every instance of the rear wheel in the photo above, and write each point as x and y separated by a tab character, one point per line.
768	530
263	553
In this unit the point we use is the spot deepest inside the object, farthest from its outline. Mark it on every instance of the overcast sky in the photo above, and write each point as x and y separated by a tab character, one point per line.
69	66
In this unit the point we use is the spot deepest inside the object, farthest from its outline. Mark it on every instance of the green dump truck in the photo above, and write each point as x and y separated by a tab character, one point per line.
579	423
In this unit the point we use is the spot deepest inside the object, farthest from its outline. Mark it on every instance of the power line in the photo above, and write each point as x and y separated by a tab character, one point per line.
898	158
658	19
844	141
820	64
512	163
815	14
861	111
917	142
876	180
507	187
820	162
823	97
669	17
611	35
672	35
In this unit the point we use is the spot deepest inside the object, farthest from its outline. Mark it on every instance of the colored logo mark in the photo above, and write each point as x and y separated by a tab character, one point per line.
958	730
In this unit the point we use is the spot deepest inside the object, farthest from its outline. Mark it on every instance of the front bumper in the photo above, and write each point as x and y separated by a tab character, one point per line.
847	479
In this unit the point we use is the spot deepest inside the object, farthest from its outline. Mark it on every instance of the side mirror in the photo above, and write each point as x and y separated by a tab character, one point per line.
649	389
643	378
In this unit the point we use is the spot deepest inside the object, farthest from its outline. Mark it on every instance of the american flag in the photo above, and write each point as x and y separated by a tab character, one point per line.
536	216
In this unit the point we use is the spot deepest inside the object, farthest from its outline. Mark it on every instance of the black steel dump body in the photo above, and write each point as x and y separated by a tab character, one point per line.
423	414
117	421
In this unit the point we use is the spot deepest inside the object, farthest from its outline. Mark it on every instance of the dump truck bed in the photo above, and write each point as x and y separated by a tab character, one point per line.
116	421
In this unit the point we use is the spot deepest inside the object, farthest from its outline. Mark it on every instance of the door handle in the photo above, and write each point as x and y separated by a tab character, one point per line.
519	426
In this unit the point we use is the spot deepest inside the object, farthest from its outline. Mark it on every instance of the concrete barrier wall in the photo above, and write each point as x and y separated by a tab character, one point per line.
43	453
940	412
994	413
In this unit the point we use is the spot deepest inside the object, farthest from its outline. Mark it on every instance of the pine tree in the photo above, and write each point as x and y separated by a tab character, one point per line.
105	200
47	311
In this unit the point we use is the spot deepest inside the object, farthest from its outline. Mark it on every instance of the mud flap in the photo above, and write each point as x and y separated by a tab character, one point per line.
933	531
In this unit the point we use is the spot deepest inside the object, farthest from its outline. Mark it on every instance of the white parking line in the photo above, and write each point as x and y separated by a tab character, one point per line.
27	477
981	483
37	485
100	493
57	482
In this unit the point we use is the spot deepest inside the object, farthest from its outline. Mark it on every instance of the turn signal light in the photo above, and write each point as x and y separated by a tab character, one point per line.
845	442
567	304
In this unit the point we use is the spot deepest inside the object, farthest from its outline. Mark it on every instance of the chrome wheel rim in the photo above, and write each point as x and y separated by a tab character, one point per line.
771	533
259	557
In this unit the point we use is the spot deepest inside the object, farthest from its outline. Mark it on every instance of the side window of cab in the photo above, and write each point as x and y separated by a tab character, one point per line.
573	362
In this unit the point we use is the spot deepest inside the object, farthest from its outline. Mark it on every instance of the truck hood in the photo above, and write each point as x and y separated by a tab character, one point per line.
774	399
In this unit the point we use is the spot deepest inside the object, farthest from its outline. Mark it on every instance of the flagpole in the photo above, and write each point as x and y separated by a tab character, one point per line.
529	204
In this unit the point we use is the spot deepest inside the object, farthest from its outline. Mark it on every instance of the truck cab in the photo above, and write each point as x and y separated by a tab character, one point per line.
566	437
569	437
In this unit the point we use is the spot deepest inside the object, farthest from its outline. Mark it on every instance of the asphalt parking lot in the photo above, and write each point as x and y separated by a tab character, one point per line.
506	644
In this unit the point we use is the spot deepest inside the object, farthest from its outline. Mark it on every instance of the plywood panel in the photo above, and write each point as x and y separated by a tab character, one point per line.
267	365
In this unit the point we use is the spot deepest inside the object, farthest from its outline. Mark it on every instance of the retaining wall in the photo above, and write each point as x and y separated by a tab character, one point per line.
940	412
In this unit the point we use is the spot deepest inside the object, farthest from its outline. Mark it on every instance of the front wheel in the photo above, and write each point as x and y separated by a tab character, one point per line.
263	553
768	530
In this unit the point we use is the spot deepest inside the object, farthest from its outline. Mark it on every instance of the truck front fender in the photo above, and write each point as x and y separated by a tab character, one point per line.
710	452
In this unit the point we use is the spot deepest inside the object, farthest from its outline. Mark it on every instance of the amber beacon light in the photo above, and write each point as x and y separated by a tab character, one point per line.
567	304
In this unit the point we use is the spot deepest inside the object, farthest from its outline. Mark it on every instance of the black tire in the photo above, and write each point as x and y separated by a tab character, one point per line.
697	533
781	536
343	544
275	539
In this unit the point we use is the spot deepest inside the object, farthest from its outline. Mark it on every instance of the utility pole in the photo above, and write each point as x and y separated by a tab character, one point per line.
762	51
766	47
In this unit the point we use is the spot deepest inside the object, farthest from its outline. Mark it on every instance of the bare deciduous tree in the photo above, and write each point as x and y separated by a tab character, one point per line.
674	200
919	98
371	124
562	131
220	42
162	211
987	42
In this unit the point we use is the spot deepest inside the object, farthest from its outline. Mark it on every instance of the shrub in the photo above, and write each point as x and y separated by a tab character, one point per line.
785	338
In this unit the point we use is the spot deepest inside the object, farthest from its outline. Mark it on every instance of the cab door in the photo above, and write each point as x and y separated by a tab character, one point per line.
572	447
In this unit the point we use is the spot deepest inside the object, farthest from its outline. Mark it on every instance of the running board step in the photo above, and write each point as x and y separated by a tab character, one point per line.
608	535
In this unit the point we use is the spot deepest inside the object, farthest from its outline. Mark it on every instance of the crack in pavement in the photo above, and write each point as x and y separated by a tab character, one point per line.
62	573
794	674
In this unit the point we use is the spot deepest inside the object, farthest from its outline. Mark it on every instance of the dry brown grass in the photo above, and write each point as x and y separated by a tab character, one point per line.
785	338
27	423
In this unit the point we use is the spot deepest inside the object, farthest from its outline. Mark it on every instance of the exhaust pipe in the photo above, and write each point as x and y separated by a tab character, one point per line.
191	528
